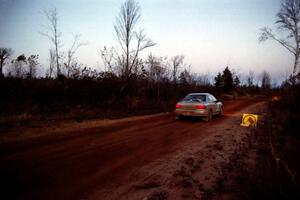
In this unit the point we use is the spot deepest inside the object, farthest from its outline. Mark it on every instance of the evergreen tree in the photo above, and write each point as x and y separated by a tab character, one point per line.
219	81
228	80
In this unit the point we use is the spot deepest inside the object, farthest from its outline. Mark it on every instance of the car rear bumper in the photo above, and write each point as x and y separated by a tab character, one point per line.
199	113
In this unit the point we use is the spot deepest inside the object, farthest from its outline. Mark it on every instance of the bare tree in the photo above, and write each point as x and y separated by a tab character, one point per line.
71	52
250	79
75	71
288	19
176	62
109	59
265	80
185	77
5	53
203	79
156	72
32	64
18	69
125	27
155	67
52	59
53	34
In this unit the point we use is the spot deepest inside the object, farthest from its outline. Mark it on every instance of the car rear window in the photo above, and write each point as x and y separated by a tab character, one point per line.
195	98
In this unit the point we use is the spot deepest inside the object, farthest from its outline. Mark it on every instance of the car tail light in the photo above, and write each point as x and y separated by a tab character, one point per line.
201	107
178	105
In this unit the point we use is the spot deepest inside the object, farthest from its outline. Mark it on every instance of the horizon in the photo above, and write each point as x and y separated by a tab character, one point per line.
210	34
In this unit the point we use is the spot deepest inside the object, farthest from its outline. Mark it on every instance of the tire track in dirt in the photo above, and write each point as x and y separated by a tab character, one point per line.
71	165
192	172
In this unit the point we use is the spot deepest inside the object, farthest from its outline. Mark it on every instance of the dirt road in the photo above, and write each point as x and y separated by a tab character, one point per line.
108	159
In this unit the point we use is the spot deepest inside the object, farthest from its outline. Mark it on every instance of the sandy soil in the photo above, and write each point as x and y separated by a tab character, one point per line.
148	157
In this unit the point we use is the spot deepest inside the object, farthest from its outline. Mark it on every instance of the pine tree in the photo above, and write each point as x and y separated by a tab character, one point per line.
219	81
228	80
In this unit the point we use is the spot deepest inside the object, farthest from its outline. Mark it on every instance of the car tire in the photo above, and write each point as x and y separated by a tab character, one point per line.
209	116
177	117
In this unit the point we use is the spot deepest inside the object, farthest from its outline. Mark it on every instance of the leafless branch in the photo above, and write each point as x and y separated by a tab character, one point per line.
288	19
73	49
53	34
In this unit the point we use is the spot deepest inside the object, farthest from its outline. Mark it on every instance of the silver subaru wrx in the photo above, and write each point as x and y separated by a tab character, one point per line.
199	104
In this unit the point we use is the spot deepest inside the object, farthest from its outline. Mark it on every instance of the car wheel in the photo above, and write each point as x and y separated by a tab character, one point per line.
209	116
177	117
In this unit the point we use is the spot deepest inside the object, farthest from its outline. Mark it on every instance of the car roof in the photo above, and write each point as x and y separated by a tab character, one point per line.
199	94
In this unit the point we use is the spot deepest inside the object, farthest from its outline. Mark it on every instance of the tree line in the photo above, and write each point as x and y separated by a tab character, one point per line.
128	80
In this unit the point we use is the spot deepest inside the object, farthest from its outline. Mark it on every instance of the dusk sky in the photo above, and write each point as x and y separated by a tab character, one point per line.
209	33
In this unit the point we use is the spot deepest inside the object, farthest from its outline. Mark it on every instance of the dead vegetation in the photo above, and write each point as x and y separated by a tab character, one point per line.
270	167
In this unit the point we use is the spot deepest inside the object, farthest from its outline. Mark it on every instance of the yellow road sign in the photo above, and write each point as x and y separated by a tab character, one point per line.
249	120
